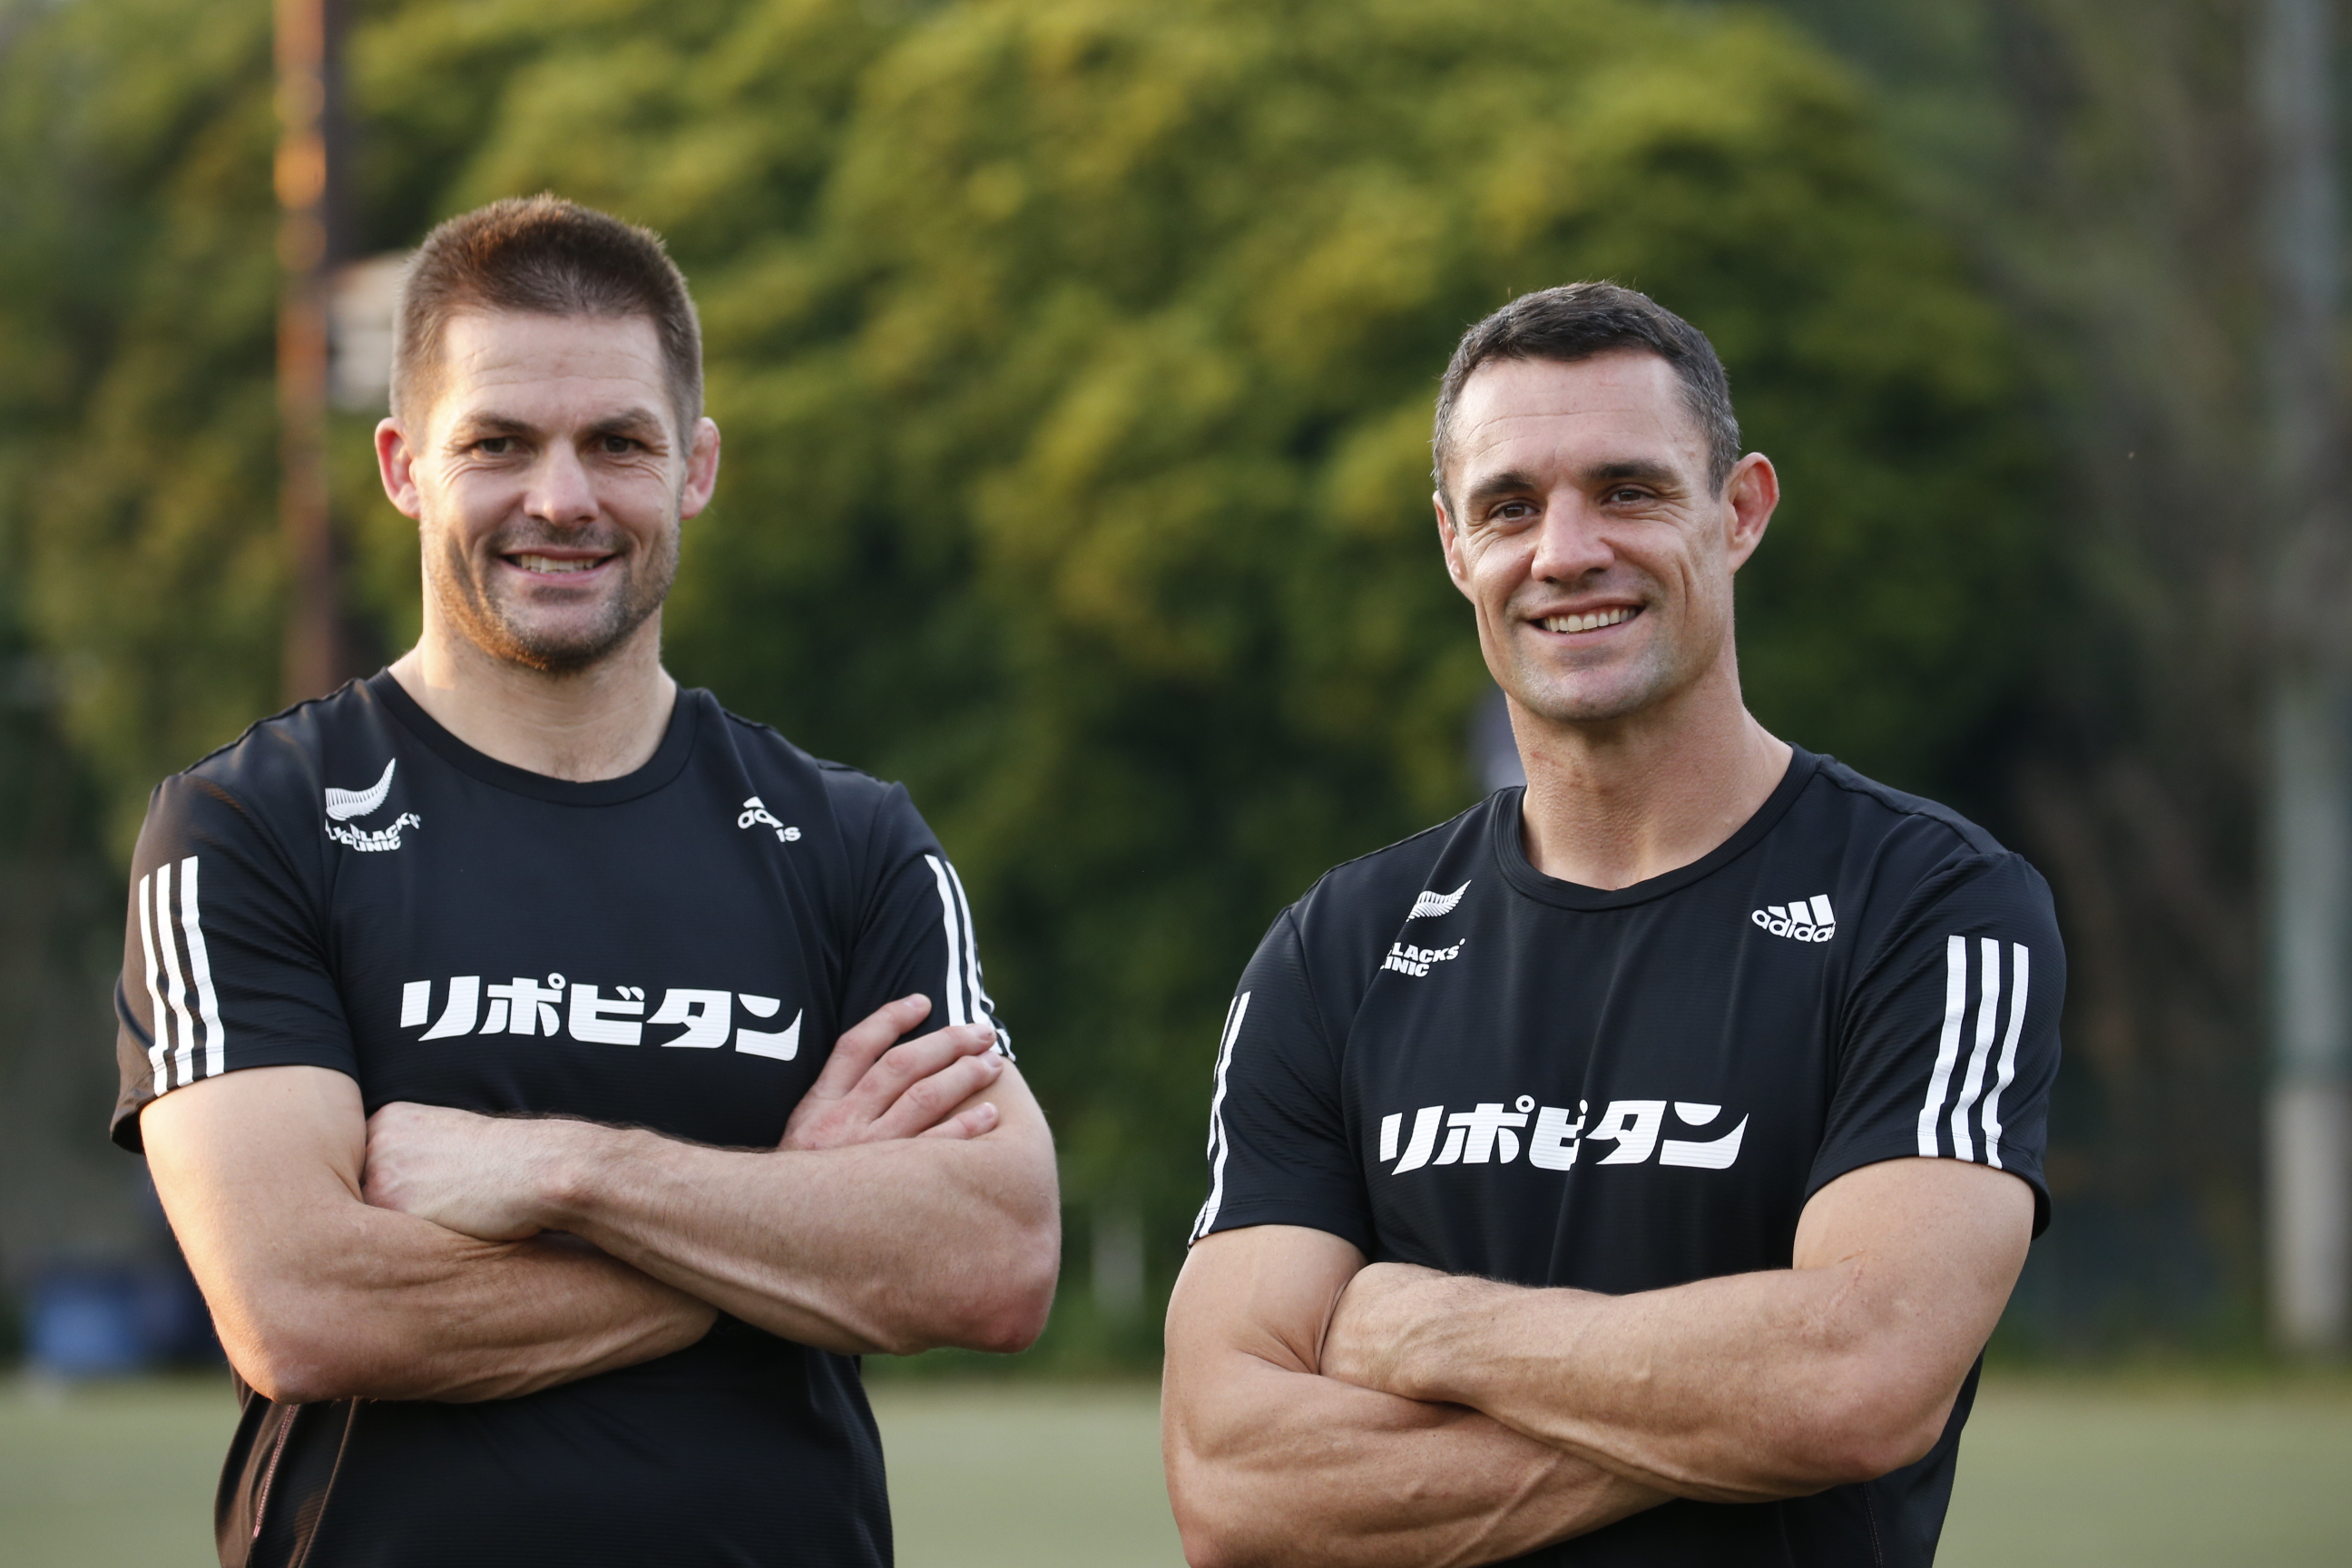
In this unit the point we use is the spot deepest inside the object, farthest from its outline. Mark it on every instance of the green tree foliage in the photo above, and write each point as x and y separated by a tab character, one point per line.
139	437
1075	358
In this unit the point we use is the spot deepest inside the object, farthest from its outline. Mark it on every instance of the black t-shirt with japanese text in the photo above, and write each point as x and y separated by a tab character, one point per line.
351	886
1448	1059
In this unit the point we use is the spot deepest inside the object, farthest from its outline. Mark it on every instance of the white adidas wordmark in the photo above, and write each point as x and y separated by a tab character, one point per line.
756	814
1806	920
1429	903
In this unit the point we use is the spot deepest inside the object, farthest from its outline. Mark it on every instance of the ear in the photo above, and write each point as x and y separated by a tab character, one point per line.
701	469
1750	496
396	464
1449	540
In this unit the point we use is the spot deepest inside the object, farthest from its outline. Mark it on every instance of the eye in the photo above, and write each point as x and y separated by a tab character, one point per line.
1625	495
619	446
1512	512
495	445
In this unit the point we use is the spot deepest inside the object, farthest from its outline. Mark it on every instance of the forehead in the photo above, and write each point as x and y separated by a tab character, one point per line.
548	368
1539	415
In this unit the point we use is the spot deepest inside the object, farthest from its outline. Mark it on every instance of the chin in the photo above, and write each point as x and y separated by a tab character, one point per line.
1559	709
563	644
565	652
1618	689
566	639
1585	701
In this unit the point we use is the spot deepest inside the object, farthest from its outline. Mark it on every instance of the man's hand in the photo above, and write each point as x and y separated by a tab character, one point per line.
478	1175
874	1090
1377	1314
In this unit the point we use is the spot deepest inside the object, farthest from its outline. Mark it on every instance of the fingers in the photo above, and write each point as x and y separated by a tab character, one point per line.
898	1092
858	1049
982	1118
912	1061
929	1100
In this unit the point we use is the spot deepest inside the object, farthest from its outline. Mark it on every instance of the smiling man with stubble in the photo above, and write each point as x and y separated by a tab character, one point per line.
556	1082
1630	1169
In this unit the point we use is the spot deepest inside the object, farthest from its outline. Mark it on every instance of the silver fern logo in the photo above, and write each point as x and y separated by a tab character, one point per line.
343	805
1430	904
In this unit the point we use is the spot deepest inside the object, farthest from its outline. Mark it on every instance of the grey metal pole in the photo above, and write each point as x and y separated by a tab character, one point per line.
2309	1118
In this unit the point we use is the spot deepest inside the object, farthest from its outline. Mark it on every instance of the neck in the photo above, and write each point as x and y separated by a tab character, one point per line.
1616	802
600	723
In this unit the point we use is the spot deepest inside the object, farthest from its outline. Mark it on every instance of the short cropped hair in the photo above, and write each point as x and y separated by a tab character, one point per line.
543	256
1577	320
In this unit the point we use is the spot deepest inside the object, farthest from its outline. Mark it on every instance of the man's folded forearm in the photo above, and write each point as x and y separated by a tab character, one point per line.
443	1317
1294	1470
887	1247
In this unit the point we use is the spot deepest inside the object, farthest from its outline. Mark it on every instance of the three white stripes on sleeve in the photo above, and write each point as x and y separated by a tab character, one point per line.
1932	1121
170	991
1235	1011
966	1002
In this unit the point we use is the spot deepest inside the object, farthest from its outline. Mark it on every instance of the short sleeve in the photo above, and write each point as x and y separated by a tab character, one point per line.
224	956
1949	1041
1278	1149
915	933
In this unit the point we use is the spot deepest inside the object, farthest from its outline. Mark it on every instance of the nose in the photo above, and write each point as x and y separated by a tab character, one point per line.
561	490
1571	543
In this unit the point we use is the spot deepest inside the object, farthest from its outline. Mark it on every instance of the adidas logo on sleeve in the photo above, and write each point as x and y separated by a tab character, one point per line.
1808	919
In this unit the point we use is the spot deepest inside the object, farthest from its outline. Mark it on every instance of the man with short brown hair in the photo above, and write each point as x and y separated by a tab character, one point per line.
474	1019
1630	1170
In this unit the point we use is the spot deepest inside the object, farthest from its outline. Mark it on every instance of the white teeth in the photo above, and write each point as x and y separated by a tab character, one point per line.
549	564
1592	622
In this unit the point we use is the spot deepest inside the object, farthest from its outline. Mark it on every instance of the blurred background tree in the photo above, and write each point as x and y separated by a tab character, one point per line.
1074	358
2099	162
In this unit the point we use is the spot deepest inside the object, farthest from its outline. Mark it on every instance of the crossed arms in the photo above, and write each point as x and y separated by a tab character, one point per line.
1321	1411
433	1254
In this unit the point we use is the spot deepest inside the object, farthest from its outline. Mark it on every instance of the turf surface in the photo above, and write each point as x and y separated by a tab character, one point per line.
2107	1473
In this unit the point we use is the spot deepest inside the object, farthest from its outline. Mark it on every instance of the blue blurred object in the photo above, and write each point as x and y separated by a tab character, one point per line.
90	1321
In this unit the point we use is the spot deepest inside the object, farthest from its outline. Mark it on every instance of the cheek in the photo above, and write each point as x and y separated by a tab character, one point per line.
1494	572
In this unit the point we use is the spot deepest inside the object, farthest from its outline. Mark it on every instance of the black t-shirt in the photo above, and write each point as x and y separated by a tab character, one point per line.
1448	1059
349	885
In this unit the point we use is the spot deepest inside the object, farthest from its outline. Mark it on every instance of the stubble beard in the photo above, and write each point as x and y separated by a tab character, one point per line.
1601	693
463	586
1574	698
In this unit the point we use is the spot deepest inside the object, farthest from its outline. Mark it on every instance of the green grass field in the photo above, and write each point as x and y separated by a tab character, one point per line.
2092	1473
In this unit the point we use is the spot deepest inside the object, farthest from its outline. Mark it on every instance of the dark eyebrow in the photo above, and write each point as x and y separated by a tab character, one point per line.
1638	470
642	423
1510	481
475	426
639	423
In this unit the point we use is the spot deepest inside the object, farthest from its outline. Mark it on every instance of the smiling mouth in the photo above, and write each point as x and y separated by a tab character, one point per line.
1592	622
555	565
